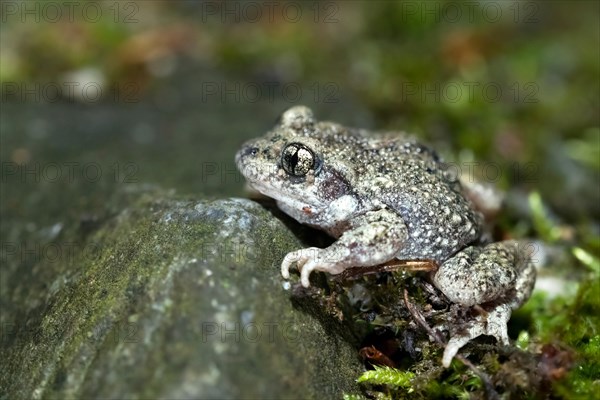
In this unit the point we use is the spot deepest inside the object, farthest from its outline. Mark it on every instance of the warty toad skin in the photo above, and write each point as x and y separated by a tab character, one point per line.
385	197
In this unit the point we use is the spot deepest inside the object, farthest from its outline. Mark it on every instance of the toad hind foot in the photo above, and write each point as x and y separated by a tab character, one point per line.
493	324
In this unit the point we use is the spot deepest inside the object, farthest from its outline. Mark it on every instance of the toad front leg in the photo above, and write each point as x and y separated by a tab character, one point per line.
373	238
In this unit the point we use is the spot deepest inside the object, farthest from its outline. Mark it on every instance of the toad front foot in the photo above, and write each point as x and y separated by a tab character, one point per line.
374	238
309	260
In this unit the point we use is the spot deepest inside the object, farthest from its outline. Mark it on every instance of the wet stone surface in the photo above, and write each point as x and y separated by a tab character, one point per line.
166	297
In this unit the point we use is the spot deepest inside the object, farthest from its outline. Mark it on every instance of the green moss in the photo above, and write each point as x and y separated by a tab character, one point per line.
574	323
388	376
456	382
353	397
579	328
587	259
544	226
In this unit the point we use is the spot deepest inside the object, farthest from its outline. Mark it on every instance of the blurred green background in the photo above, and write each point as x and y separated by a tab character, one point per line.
108	94
510	83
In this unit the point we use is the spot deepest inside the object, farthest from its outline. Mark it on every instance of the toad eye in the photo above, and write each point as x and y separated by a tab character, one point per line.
297	159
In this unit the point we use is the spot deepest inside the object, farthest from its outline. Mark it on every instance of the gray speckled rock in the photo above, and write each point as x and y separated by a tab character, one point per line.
168	298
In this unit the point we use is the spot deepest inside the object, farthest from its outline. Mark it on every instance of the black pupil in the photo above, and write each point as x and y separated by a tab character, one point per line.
294	161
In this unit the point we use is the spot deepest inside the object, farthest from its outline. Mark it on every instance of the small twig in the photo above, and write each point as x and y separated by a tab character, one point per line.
418	317
390	266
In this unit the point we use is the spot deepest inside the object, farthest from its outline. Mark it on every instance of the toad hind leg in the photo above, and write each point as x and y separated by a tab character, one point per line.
501	274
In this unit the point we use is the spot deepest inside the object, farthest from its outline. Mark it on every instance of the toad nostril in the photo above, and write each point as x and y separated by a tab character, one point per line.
250	151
